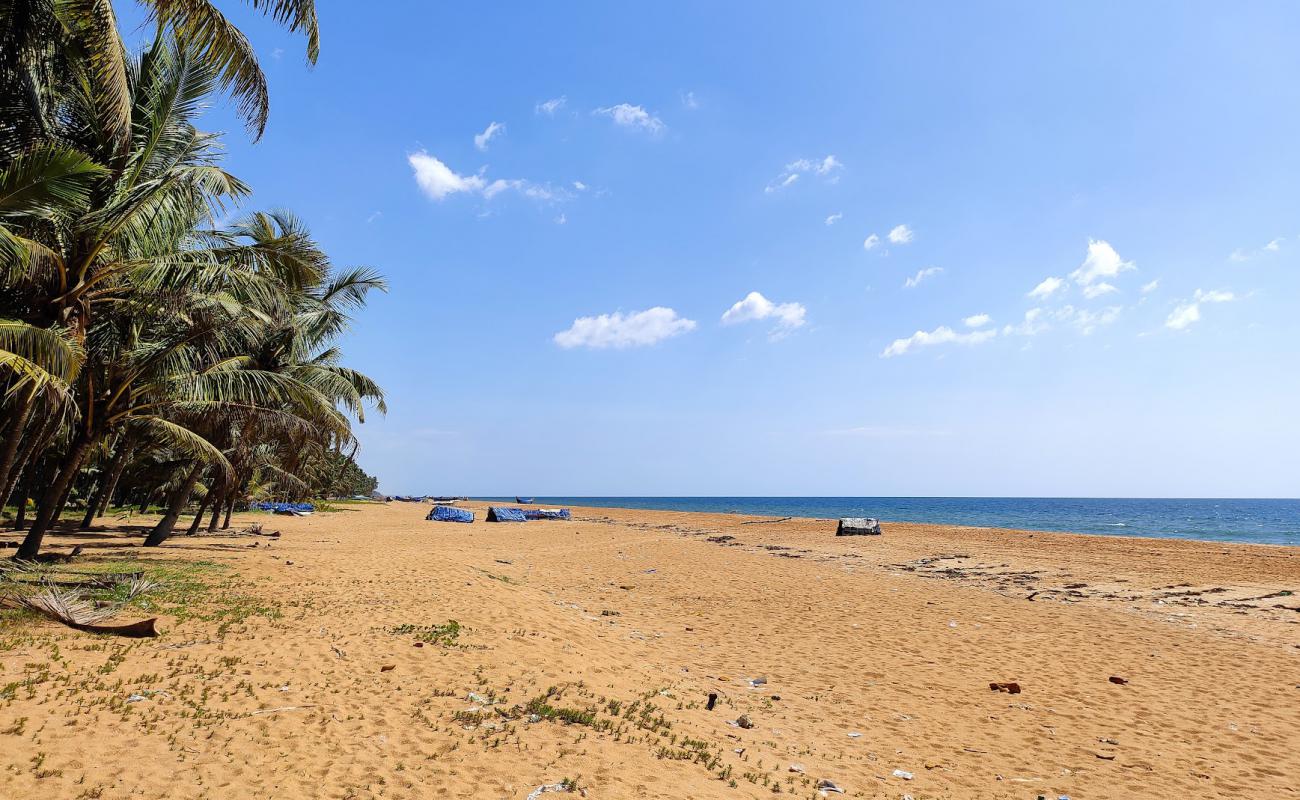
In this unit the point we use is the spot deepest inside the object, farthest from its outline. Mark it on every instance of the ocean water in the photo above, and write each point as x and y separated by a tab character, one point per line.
1257	521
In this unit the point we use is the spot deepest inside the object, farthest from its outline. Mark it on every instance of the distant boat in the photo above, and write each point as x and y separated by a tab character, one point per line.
519	499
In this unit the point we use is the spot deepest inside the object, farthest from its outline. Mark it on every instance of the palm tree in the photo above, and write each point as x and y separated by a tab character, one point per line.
51	47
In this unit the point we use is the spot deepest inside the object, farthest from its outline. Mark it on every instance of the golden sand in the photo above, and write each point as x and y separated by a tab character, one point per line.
880	650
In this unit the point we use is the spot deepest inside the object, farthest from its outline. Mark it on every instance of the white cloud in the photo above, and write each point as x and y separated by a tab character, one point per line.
630	116
834	218
1047	288
374	216
549	107
481	139
580	186
439	180
803	166
915	280
1102	262
1246	255
1088	321
977	320
1188	312
900	234
870	242
689	101
755	306
1148	288
1032	325
1094	290
619	330
940	335
562	219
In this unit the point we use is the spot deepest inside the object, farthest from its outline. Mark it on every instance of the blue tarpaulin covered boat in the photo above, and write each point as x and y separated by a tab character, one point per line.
546	513
450	514
283	508
504	514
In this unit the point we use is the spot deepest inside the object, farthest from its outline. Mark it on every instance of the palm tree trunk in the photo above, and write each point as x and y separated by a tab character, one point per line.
27	456
217	505
54	496
9	448
230	509
97	503
167	524
107	501
198	515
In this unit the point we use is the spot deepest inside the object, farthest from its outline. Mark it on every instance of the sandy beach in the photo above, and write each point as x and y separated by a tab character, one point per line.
586	651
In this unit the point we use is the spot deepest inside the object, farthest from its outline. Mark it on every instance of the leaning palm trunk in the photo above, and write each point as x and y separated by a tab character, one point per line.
9	449
163	530
217	505
198	515
99	502
36	441
55	495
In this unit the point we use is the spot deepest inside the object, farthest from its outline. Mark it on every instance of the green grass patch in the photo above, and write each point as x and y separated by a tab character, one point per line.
445	634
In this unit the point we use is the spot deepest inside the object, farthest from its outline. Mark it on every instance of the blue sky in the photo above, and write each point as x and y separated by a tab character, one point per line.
650	272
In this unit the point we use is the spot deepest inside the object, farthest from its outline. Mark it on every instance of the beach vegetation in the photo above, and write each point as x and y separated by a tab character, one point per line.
159	344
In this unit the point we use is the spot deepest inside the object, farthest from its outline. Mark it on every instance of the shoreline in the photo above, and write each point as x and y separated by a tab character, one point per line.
615	626
1013	512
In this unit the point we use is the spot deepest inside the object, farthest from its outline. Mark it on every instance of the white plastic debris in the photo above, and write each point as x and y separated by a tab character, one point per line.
824	786
902	773
855	735
547	787
796	768
135	698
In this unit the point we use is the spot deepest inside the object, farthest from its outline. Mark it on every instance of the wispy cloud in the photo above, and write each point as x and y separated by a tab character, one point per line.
826	167
689	101
1189	312
755	306
834	218
1032	324
630	116
977	320
1087	320
901	234
1148	288
1246	255
439	181
871	242
493	129
374	215
940	335
619	330
915	280
1046	288
1094	290
549	107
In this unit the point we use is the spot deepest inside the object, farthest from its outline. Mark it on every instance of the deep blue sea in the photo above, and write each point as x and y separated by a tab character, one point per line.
1258	521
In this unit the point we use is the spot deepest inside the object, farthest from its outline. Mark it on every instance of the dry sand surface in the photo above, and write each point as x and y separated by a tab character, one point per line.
294	677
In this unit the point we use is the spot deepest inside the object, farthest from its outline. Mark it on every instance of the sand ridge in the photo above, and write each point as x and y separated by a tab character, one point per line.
587	650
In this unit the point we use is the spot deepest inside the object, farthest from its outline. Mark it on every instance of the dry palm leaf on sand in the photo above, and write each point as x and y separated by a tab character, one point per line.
75	610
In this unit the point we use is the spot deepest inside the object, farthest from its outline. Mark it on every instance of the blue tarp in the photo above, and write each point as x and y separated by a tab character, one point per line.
283	508
450	514
546	513
503	514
